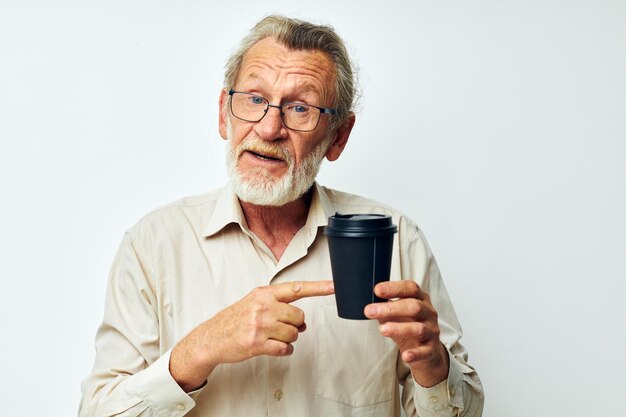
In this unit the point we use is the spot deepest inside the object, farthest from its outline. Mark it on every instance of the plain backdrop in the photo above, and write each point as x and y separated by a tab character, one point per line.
499	126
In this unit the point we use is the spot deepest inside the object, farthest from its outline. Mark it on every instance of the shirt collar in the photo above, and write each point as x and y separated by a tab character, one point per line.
228	210
321	207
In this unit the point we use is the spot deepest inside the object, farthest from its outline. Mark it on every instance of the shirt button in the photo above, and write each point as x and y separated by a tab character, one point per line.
452	391
180	407
278	394
434	399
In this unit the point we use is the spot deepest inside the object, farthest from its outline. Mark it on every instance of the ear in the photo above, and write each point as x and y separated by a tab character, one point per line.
341	138
223	111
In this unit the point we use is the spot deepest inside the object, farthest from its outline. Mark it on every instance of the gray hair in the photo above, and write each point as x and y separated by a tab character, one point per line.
300	35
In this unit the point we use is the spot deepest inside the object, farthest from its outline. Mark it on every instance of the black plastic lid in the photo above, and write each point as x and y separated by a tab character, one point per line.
360	225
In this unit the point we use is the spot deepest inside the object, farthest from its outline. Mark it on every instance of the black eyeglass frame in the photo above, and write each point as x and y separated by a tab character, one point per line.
323	110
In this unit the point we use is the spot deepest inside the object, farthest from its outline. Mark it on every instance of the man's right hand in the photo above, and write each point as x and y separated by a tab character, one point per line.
261	323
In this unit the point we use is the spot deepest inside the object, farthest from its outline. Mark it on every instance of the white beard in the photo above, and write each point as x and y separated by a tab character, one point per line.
258	186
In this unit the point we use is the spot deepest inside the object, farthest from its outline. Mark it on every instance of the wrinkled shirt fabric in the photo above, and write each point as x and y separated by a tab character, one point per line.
183	263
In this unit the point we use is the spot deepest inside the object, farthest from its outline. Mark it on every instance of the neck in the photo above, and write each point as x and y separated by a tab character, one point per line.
276	226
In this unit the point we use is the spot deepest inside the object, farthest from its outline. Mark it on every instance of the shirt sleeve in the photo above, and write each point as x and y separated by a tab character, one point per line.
461	394
131	375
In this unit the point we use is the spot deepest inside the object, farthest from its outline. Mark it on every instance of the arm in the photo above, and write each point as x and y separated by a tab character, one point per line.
422	322
130	376
261	323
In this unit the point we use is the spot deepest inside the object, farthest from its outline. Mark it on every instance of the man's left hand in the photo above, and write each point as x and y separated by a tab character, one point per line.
410	320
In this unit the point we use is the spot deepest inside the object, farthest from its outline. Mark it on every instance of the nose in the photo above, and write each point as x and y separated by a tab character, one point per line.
271	127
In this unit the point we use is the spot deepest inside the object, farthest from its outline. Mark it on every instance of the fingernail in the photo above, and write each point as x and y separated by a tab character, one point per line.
372	310
379	290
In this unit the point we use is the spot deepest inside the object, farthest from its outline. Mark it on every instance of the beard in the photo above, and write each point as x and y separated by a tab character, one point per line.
258	186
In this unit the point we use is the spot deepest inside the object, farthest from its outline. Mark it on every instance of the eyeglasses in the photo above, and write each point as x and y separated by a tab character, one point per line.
295	116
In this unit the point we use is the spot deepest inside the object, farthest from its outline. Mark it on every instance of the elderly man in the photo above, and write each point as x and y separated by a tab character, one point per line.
215	304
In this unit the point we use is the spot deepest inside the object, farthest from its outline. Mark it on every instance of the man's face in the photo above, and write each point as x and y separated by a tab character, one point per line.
269	163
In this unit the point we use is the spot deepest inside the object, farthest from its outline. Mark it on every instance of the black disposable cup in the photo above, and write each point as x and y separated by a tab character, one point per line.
360	248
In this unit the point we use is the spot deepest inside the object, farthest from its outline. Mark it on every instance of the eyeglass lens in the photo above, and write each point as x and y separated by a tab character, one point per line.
252	108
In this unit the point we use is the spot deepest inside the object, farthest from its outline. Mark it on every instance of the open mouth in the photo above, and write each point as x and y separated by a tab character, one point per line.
265	157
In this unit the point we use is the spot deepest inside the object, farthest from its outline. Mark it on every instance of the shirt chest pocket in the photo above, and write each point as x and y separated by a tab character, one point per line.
356	365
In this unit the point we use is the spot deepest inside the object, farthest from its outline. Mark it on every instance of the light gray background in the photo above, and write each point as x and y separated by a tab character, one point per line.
499	126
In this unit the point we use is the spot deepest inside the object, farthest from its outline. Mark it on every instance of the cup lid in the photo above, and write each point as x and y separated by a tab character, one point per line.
360	225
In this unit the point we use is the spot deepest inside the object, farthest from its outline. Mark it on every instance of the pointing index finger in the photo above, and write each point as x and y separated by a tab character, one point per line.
292	291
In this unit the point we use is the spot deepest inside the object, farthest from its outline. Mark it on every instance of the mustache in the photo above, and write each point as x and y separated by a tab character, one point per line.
256	145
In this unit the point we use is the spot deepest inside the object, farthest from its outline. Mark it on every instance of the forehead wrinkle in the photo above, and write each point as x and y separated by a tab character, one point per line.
297	68
303	86
299	86
306	71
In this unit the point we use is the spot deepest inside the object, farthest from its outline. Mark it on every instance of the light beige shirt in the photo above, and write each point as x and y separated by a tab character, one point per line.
183	263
